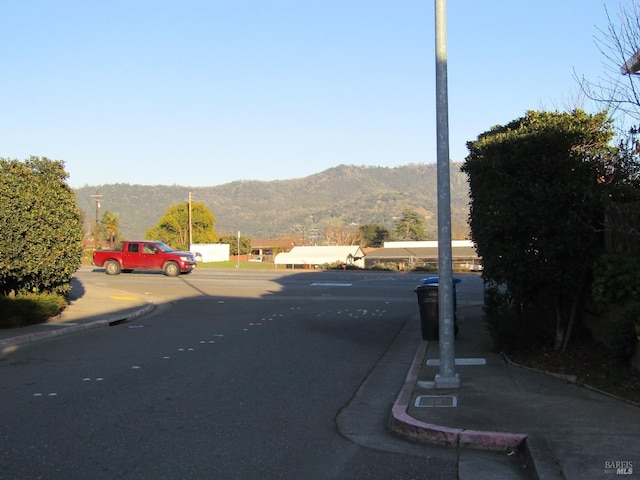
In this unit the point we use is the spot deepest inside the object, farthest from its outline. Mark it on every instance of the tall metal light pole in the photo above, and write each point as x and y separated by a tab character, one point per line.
190	228
96	199
447	376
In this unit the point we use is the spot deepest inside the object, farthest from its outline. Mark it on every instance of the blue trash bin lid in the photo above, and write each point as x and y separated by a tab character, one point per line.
434	280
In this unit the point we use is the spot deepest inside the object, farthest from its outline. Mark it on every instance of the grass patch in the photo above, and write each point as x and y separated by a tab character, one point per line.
233	264
29	309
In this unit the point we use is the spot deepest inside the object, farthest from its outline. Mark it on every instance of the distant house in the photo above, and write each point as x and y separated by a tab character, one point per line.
300	257
266	250
414	253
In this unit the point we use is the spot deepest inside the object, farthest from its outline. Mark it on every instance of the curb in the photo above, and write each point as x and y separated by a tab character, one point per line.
32	337
406	426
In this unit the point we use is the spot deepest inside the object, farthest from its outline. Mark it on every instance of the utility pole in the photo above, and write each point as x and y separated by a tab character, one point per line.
447	376
301	229
96	199
190	229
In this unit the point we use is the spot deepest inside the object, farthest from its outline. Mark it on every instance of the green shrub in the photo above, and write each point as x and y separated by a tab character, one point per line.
28	309
511	328
41	241
388	267
616	280
622	334
424	267
338	266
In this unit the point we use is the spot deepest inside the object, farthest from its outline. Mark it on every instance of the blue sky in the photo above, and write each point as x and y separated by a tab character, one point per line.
205	92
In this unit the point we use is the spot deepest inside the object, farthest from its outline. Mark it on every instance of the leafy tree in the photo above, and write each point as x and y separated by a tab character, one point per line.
410	226
621	177
40	245
536	207
232	240
373	235
110	226
173	227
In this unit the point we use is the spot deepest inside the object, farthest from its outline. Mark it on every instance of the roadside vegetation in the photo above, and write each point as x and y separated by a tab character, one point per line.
236	265
184	224
29	308
40	243
554	215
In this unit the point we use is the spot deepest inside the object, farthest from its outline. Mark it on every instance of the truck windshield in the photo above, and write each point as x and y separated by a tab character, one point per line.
164	247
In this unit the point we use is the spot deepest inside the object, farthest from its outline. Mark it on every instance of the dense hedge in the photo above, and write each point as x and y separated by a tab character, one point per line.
40	245
537	209
615	296
616	280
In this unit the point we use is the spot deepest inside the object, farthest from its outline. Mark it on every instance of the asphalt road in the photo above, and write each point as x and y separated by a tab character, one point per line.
236	375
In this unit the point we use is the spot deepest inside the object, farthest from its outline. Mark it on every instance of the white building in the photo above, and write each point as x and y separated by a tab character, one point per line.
425	253
318	256
210	252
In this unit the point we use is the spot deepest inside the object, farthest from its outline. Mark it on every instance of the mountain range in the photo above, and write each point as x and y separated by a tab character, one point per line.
345	196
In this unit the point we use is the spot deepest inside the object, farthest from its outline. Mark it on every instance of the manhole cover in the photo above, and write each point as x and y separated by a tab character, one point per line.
436	401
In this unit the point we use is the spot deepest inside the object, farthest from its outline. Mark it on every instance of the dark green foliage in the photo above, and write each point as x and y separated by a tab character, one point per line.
622	176
622	330
110	228
535	204
410	226
537	207
40	245
615	295
28	309
616	281
173	227
511	327
385	267
232	240
373	235
425	267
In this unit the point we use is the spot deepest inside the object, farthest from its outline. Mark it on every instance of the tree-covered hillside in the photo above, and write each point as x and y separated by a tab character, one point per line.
341	196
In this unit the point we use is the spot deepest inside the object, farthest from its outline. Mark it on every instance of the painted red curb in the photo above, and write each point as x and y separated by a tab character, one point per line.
403	424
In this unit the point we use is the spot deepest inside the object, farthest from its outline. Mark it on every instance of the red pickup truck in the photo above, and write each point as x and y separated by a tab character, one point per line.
144	255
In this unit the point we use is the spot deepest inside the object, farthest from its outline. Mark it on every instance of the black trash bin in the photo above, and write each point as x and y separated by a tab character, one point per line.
428	302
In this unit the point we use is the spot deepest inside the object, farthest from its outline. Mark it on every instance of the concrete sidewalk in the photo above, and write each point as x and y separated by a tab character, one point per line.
567	431
92	308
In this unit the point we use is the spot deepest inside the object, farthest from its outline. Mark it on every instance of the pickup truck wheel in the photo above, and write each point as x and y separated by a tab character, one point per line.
112	267
171	269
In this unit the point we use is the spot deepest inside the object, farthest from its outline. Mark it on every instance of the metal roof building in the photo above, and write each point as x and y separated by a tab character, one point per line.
315	256
464	254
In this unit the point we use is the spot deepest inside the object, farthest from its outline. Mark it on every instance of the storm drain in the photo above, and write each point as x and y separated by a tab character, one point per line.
435	401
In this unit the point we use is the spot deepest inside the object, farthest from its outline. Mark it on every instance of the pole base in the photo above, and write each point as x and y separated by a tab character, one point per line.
446	382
